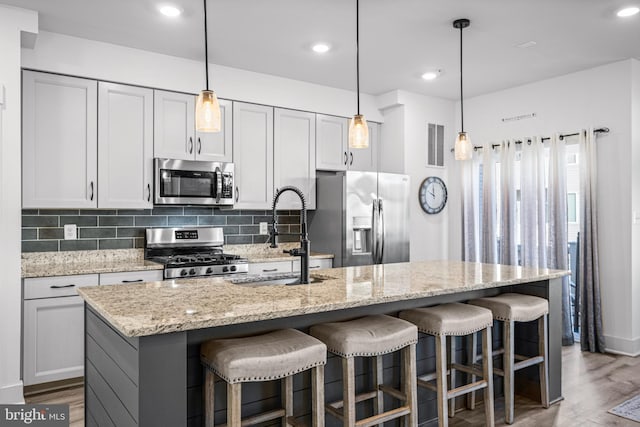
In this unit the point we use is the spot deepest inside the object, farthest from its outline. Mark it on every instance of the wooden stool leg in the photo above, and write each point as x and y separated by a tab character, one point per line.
378	401
451	356
234	405
472	357
409	383
508	371
487	372
349	391
543	368
209	394
287	399
441	380
317	396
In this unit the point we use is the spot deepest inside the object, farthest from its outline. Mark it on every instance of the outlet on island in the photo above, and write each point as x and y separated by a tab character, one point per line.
70	232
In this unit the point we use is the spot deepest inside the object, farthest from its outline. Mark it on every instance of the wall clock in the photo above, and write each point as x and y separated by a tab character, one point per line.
432	195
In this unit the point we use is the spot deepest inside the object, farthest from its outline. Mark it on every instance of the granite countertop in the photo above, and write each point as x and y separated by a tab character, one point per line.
47	264
180	305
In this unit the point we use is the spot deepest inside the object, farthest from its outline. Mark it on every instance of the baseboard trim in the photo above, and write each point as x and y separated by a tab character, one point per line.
12	394
622	346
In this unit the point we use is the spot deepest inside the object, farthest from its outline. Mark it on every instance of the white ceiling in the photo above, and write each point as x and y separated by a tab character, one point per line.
399	39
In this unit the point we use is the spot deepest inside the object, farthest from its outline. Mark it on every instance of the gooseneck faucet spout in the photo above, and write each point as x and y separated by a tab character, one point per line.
305	245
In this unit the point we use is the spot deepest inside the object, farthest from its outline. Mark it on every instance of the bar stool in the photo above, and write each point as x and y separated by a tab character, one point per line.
272	356
451	320
510	308
372	336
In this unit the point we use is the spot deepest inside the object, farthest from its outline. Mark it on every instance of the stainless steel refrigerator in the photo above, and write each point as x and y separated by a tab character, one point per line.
361	217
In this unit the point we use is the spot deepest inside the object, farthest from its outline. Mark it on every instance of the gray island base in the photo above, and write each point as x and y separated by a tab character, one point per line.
142	341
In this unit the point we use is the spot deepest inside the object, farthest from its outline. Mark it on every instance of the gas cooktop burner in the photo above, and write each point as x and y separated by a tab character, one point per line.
187	260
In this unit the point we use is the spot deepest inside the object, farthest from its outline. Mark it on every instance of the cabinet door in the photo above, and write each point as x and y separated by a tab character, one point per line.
366	159
270	267
331	142
314	264
59	141
294	156
53	339
125	277
217	146
253	155
174	125
125	146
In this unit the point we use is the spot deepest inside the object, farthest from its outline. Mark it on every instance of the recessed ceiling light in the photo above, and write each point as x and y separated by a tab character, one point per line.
321	48
431	75
170	10
628	11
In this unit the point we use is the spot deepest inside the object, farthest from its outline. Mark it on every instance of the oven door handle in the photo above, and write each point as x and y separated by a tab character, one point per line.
218	173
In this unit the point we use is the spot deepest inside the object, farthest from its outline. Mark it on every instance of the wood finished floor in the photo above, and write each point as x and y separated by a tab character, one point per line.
591	385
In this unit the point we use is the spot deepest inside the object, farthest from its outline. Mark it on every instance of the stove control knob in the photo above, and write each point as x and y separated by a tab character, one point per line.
234	268
209	270
225	269
183	272
192	272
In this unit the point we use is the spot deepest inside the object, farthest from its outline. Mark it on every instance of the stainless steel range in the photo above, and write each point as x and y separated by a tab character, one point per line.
191	252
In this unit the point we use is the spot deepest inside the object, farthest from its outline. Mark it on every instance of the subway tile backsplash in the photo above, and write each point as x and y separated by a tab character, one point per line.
42	229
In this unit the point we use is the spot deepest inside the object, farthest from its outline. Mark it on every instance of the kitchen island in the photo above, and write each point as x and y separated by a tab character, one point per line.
142	340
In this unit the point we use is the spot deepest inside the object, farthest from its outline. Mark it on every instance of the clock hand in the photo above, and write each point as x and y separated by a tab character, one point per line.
432	193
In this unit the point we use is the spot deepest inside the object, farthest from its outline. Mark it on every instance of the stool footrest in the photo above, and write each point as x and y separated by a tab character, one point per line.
528	362
260	418
294	423
393	392
467	388
384	417
427	384
467	369
359	398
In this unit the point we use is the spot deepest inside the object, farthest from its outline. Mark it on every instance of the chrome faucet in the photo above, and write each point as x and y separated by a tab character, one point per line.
305	245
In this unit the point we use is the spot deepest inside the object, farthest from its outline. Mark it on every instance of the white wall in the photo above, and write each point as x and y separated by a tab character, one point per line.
86	58
635	183
405	151
12	22
596	97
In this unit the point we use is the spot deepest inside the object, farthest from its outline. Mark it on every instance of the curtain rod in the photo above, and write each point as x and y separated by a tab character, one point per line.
546	138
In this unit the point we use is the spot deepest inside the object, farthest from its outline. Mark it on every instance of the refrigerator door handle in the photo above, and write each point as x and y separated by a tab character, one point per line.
381	226
374	231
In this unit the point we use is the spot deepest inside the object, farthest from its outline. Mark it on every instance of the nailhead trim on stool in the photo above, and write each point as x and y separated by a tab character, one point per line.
372	336
451	320
510	308
272	356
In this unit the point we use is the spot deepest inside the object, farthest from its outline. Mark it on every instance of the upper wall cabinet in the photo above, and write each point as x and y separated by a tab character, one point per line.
125	146
332	146
175	134
59	148
253	155
294	156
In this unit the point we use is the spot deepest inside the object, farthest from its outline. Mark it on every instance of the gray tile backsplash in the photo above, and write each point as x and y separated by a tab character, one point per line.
42	229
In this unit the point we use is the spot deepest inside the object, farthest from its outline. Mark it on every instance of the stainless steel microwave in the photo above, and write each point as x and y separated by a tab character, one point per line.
193	182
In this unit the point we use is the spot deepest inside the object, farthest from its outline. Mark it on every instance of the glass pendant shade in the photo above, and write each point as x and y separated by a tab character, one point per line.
463	148
207	112
358	132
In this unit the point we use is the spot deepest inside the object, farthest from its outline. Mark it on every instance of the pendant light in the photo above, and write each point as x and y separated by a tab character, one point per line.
358	128
207	106
463	147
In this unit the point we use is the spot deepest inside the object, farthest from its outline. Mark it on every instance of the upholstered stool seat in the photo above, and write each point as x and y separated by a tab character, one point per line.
272	356
510	308
372	336
450	320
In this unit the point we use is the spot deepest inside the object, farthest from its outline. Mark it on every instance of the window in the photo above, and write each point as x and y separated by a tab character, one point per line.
572	207
435	145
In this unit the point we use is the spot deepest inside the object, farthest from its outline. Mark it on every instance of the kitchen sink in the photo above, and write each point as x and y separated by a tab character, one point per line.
275	279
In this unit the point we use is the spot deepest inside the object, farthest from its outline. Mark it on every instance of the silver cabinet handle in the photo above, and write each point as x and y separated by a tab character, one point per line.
314	266
237	194
374	231
149	192
132	281
199	146
351	162
190	145
61	286
346	158
269	270
218	174
381	219
91	198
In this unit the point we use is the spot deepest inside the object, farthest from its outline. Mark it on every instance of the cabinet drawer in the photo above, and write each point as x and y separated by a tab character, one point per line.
130	277
315	264
57	286
270	267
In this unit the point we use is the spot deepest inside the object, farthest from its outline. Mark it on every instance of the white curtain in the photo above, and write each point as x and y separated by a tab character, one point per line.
591	335
508	200
469	211
532	204
558	238
489	244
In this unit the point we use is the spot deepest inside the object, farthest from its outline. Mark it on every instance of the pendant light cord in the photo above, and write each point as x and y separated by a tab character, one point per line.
461	94
206	47
358	52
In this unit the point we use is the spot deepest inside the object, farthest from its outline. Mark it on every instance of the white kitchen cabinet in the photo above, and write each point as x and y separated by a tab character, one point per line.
294	156
270	267
253	155
125	146
332	146
125	277
53	346
59	141
314	264
175	134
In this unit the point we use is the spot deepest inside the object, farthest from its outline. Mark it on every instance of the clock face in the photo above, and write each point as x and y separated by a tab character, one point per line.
432	195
